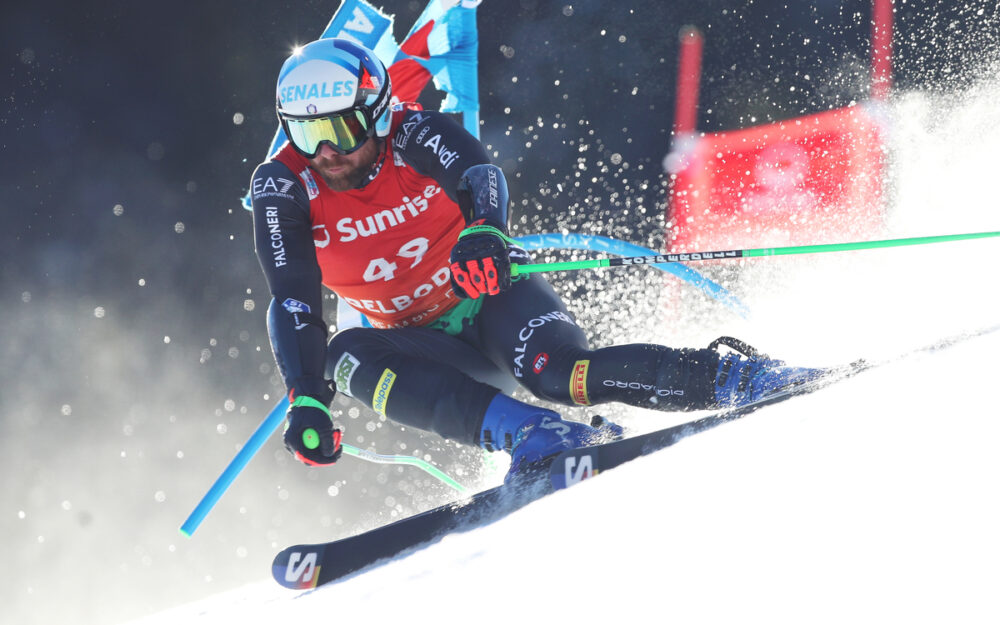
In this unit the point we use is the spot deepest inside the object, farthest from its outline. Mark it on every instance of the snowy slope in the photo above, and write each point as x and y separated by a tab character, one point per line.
872	501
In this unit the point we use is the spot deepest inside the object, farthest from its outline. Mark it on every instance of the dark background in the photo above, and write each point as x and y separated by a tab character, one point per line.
135	358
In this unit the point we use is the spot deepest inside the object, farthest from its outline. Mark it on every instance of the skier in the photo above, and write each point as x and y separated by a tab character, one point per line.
401	214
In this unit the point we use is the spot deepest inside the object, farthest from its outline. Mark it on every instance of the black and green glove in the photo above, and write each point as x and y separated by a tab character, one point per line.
480	263
309	432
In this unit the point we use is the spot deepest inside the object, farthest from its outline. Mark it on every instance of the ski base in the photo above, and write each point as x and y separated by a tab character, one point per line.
307	566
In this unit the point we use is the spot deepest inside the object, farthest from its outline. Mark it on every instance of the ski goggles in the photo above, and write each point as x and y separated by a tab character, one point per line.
344	132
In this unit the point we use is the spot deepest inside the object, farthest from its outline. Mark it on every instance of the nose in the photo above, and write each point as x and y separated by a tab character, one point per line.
326	151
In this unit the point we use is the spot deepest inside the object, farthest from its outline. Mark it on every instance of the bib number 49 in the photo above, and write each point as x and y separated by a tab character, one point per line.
384	269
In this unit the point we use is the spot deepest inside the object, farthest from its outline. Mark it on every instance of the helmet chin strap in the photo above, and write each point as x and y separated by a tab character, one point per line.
377	164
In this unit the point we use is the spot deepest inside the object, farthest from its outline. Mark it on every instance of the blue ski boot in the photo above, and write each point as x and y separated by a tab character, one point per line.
531	434
746	376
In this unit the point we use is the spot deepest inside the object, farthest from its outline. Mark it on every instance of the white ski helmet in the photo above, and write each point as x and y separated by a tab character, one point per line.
333	91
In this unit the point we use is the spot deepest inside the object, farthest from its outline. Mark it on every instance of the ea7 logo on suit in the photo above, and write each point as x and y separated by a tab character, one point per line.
271	186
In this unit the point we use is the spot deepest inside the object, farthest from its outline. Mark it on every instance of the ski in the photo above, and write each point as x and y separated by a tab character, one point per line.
309	566
304	567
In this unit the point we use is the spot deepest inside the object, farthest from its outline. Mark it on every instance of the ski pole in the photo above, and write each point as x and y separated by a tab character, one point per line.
243	456
626	261
267	427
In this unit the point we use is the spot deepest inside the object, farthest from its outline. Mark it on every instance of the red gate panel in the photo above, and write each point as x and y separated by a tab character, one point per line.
814	179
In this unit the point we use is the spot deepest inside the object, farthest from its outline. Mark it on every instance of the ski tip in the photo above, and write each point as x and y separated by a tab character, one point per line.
184	532
298	568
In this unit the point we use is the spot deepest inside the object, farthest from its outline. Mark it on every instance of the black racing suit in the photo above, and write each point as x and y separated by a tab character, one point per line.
440	377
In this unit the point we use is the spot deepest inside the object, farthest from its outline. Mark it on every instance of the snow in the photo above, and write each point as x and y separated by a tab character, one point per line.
873	501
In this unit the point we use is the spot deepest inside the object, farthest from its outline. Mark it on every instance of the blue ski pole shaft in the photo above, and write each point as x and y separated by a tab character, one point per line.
252	446
257	440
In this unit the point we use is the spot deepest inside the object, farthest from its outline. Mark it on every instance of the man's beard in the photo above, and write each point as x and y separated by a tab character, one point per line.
352	176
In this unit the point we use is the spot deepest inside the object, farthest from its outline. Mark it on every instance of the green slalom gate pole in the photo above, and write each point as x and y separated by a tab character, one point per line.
412	461
630	261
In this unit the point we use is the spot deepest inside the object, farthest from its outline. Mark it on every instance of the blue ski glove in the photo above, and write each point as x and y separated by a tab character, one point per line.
309	432
479	261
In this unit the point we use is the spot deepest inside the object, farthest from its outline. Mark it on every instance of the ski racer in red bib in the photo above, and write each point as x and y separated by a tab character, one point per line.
400	213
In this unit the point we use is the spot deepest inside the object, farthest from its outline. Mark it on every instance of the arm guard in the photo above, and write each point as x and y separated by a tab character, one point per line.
483	196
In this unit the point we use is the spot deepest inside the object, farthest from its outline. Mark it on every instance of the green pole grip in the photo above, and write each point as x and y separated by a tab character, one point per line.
570	265
310	438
